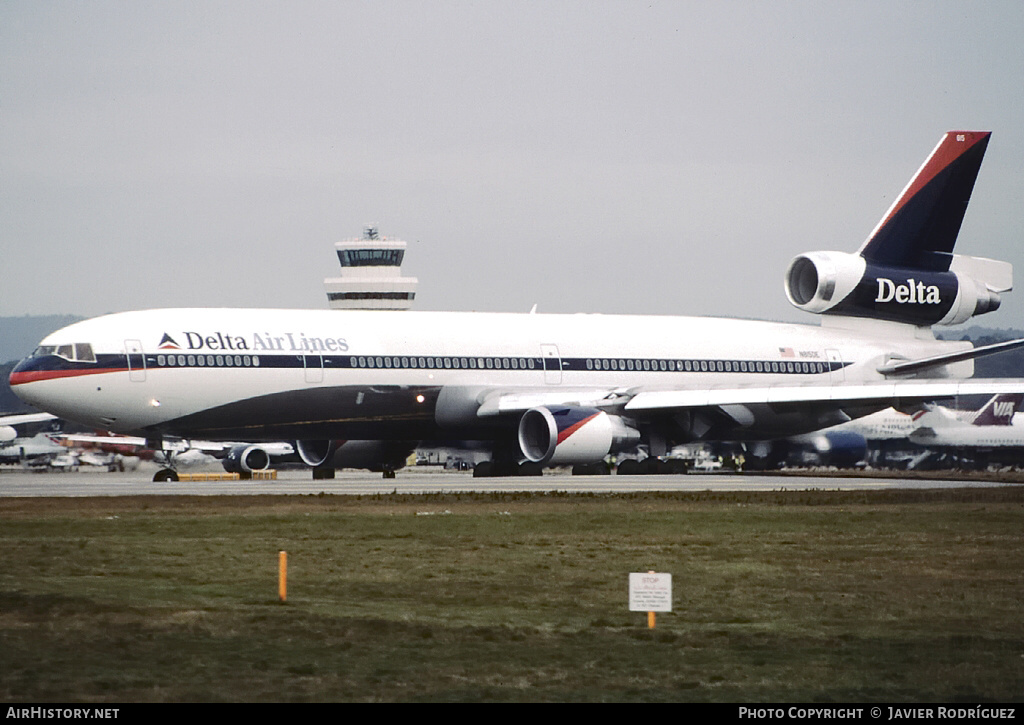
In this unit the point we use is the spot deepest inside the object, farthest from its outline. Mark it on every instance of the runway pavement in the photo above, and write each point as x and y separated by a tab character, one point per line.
91	482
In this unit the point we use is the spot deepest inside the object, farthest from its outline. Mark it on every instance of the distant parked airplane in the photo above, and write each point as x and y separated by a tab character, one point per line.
857	441
995	434
239	457
32	451
8	432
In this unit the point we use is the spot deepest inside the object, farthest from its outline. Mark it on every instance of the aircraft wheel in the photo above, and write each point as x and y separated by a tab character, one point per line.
676	467
482	470
591	469
389	474
654	466
629	467
164	475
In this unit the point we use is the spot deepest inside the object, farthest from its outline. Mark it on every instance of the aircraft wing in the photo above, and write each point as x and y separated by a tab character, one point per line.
26	418
889	392
499	402
639	401
7	423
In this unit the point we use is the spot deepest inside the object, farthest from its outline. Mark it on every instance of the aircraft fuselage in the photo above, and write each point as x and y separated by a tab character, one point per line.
252	374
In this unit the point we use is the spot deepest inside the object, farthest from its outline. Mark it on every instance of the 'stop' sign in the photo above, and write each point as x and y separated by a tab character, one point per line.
650	592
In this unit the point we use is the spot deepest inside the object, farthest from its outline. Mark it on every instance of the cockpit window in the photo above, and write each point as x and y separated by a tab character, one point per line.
76	352
84	353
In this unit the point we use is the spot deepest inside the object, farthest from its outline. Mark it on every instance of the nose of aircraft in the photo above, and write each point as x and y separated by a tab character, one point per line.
28	370
18	371
17	376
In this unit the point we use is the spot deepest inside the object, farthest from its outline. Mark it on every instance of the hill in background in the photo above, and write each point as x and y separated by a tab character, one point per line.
1001	365
20	335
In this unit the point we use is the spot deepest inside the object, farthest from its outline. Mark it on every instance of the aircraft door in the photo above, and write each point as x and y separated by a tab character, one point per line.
314	366
552	364
136	361
835	364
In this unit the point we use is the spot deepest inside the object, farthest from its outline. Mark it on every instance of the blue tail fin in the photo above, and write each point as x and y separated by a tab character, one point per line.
921	227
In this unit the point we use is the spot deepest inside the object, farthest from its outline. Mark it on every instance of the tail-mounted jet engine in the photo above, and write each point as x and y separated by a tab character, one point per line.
569	435
836	283
246	459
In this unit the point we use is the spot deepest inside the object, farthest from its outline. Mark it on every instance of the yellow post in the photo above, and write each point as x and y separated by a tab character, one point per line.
282	575
650	615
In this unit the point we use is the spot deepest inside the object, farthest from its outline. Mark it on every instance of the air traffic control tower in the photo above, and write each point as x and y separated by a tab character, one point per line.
370	275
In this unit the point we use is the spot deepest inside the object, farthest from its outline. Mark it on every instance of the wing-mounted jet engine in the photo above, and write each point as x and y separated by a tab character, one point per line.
906	270
246	459
381	456
565	435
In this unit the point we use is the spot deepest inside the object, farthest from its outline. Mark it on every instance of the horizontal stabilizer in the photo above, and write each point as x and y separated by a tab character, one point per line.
994	274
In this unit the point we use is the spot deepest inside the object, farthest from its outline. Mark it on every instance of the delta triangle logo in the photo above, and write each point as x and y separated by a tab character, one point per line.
167	343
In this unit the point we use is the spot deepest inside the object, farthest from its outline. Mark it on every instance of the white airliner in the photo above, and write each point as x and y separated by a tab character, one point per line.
995	430
245	458
554	389
35	450
881	437
8	432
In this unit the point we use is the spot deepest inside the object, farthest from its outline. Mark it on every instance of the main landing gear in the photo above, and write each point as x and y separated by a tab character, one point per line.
652	467
323	473
495	469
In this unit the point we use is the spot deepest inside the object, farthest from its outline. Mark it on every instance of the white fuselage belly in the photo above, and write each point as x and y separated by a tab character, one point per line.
307	356
974	437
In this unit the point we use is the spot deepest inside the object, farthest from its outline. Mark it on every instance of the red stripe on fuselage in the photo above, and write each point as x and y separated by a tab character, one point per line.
34	376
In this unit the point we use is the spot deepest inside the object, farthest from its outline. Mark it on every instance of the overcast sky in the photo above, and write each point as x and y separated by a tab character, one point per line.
639	157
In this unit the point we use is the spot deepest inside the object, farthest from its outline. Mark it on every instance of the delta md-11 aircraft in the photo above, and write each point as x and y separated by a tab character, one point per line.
554	389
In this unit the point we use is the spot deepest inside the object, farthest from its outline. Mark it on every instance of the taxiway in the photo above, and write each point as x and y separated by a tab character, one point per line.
420	481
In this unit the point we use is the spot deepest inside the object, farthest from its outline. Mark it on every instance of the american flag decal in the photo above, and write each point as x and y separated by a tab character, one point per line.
787	352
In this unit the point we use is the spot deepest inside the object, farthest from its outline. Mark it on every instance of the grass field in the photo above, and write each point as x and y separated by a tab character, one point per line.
804	596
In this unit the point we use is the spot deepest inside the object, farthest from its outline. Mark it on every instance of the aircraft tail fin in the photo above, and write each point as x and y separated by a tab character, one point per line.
920	229
998	410
906	271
